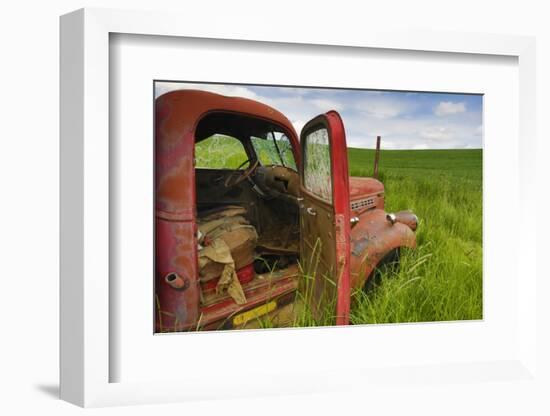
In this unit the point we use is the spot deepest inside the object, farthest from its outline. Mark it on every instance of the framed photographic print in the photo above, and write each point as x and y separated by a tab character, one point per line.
278	231
291	210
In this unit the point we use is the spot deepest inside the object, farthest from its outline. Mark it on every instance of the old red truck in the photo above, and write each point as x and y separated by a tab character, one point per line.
292	193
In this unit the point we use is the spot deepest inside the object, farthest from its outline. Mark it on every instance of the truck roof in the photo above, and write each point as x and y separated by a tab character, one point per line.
183	109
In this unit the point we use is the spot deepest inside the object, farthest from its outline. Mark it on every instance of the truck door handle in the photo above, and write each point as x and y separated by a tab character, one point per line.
311	211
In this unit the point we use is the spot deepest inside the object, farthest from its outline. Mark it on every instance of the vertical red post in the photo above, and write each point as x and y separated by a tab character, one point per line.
376	157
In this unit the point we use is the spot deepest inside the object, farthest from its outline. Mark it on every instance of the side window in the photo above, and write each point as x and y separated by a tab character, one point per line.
275	149
317	172
220	152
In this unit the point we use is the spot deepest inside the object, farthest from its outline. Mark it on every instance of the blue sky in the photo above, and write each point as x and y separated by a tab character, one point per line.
405	120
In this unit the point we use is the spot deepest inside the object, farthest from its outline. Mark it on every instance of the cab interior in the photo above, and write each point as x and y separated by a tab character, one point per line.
248	162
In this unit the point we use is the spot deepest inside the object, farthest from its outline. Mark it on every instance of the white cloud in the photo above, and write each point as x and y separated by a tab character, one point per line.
327	105
448	107
298	124
436	133
379	110
228	90
383	107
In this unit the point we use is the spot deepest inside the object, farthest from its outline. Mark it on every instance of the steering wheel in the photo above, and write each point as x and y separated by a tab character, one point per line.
237	176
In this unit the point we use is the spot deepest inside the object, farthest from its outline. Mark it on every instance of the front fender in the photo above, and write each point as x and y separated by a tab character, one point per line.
371	239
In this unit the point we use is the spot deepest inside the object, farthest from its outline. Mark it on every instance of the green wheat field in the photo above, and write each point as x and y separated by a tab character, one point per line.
442	279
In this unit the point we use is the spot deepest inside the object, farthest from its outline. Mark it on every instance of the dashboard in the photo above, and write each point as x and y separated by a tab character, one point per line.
276	181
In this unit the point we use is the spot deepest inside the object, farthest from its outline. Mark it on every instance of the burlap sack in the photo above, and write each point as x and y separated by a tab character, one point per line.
241	240
218	253
227	243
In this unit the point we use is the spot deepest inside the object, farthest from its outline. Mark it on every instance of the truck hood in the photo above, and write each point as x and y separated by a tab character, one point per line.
359	187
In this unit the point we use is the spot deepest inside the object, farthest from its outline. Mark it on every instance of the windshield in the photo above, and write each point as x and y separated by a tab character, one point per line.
274	149
220	151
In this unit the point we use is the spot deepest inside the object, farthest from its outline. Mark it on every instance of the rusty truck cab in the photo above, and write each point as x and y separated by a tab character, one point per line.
295	193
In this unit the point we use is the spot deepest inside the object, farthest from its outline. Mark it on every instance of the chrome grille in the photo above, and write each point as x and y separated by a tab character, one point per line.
363	203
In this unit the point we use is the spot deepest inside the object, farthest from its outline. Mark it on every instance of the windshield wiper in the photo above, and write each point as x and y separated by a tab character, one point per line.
278	150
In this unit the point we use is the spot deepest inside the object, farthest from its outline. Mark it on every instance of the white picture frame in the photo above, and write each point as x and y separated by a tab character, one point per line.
86	356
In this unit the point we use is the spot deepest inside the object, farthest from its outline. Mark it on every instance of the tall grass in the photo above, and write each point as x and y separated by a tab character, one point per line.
442	279
309	310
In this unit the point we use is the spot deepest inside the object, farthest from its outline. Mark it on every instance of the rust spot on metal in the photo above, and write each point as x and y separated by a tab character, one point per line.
176	281
359	246
174	185
371	239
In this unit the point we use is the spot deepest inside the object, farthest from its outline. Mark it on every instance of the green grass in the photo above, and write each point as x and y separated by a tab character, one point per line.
442	279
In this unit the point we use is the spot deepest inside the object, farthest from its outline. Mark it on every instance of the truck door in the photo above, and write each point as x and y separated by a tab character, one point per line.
325	218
